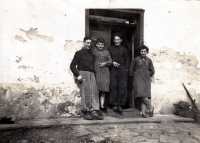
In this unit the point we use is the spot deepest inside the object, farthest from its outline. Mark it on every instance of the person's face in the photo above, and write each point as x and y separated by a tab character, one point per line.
117	40
100	46
87	44
143	52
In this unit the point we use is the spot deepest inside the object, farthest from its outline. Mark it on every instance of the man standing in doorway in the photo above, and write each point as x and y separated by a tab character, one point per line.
118	74
84	73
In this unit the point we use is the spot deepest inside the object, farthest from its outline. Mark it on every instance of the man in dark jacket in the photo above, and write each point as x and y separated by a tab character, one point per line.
82	66
118	74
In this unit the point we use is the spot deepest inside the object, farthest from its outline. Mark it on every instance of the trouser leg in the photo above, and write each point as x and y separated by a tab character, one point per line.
94	93
89	92
85	92
122	87
113	88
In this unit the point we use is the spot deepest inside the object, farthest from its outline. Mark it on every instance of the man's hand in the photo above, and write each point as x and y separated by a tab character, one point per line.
80	78
115	64
102	65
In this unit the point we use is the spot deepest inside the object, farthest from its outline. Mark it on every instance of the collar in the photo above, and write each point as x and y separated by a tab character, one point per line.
86	50
96	49
143	57
117	46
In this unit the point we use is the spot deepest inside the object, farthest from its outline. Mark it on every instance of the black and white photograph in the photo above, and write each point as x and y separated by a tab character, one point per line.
99	71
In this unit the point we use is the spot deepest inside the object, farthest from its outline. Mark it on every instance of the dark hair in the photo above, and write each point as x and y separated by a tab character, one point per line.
100	40
86	38
117	34
144	47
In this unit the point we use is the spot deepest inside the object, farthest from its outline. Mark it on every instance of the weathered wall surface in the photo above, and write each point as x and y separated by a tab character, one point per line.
38	39
173	69
30	101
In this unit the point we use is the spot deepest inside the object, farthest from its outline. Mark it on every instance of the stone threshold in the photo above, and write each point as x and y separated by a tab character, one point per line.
44	123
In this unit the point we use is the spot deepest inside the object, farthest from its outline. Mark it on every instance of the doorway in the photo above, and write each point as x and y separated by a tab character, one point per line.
129	22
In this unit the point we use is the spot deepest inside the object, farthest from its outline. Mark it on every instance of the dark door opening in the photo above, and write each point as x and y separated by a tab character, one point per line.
129	22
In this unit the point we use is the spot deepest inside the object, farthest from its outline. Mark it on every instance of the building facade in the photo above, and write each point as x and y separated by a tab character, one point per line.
38	40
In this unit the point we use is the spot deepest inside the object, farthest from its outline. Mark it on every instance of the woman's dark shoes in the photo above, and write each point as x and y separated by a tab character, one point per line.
96	115
104	110
114	108
151	113
120	110
87	116
144	115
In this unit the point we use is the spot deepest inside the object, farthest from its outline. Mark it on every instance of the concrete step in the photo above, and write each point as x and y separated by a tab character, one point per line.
41	123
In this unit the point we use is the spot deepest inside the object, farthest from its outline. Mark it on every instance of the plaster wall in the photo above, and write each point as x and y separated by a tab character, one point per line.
39	38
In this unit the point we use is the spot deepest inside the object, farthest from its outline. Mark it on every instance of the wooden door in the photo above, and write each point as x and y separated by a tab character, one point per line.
99	32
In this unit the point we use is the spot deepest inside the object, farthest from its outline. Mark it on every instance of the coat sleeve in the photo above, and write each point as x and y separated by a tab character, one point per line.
151	68
109	62
132	68
74	63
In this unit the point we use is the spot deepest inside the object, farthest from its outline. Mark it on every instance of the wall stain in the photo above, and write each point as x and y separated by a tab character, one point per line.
69	45
21	39
78	45
63	107
19	79
33	34
19	59
23	67
36	79
70	72
172	68
29	102
47	38
30	79
3	92
168	54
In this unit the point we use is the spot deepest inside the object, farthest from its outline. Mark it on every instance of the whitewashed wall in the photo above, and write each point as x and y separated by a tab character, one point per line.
38	39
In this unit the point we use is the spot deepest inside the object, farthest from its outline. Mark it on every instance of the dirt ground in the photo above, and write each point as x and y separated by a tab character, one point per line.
43	135
169	132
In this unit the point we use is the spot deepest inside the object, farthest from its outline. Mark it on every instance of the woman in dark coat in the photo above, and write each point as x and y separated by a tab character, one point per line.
142	69
102	62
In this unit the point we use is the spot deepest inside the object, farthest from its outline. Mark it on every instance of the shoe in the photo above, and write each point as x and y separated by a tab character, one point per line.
114	108
120	110
104	110
87	116
151	113
144	115
96	115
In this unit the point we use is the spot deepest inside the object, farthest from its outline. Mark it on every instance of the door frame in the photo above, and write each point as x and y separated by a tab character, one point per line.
139	34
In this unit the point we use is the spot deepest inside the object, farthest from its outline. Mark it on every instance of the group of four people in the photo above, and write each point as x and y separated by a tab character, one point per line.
99	71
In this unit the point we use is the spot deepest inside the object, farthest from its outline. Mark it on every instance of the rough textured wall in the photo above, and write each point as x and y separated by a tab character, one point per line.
38	39
173	69
33	101
37	42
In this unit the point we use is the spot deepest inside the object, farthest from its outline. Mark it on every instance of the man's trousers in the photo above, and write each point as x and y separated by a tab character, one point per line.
88	91
118	85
